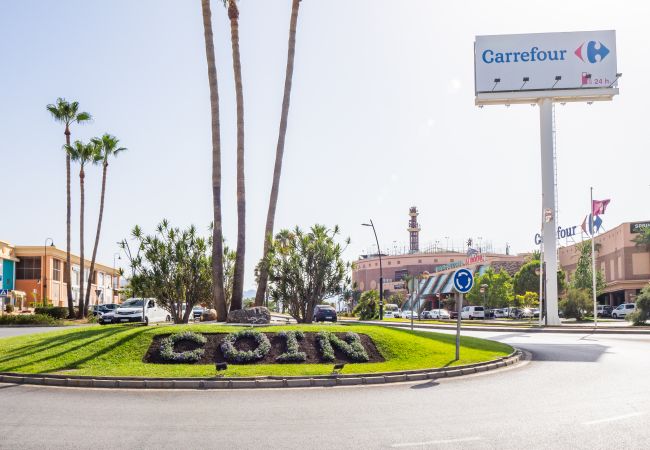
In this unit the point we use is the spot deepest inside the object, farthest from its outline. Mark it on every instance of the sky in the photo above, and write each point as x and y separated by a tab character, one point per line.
382	118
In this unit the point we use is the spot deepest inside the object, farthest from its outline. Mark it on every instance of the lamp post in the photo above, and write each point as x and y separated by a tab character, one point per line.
44	294
381	272
114	278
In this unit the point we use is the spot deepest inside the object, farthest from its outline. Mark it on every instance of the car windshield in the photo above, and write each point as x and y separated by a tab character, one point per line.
132	303
478	308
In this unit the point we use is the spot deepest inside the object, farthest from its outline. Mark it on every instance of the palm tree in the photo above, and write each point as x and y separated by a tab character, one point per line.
107	146
279	153
217	231
83	154
67	114
238	281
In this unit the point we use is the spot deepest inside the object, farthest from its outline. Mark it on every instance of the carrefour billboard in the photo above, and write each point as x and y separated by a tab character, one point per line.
545	61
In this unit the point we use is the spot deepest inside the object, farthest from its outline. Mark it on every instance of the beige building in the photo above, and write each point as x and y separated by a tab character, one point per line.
39	272
625	266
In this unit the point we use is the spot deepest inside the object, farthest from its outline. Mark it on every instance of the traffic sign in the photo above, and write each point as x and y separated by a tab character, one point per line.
463	280
4	292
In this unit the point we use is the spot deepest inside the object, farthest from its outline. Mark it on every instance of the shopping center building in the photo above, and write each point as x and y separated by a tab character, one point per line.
625	265
33	273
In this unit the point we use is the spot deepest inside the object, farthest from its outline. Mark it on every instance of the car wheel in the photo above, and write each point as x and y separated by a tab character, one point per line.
471	318
169	318
146	321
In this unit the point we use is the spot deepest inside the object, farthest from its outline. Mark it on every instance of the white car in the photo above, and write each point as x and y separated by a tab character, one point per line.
472	312
131	311
407	314
391	311
439	314
500	314
623	310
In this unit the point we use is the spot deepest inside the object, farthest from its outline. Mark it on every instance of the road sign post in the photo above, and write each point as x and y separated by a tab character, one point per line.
463	282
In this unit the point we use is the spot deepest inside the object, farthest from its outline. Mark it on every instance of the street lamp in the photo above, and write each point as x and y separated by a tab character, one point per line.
44	269
114	277
381	272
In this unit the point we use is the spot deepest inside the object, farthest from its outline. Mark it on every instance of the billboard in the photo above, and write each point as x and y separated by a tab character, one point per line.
545	62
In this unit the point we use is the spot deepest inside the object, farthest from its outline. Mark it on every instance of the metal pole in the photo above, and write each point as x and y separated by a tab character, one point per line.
413	297
541	292
549	207
593	256
381	275
459	307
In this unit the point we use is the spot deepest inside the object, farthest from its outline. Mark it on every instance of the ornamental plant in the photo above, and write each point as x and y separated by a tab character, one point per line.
350	345
232	354
293	353
168	353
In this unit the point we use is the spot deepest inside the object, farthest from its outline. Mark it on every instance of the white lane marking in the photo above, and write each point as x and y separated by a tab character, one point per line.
442	441
613	419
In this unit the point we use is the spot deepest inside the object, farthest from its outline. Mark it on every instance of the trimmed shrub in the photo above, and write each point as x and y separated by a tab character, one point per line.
168	353
350	345
28	319
576	304
231	353
642	312
293	353
57	312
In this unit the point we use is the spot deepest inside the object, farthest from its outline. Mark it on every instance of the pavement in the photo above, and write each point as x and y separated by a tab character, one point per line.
576	391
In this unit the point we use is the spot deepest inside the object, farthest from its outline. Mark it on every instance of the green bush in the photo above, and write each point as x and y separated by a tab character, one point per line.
642	312
9	308
368	306
576	303
28	319
57	312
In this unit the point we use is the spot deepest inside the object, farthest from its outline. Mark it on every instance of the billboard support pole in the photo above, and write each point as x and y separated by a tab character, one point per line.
549	231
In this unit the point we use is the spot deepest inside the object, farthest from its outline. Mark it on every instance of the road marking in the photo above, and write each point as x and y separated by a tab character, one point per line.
443	441
613	419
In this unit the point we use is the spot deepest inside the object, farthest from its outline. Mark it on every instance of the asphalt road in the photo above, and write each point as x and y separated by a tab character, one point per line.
578	391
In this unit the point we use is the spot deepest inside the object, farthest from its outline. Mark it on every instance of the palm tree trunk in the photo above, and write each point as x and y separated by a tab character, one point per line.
217	232
238	282
82	303
66	275
279	153
99	229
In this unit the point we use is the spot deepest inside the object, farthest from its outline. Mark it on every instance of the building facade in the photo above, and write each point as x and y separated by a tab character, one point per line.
8	293
625	266
38	274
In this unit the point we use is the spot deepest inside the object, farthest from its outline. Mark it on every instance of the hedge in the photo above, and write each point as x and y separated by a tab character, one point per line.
57	312
28	319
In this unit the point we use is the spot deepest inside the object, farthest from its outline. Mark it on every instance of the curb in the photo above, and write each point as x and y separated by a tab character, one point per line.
548	329
259	382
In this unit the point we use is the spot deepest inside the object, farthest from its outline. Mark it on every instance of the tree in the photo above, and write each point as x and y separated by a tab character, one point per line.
174	267
279	150
108	147
229	257
68	113
218	299
305	268
238	282
397	298
527	300
527	280
582	278
498	290
642	313
368	306
576	303
83	154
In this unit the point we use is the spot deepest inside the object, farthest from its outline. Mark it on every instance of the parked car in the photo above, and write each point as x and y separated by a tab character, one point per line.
197	311
604	311
426	314
440	314
453	314
391	310
535	312
131	311
489	314
106	318
104	308
472	312
500	314
408	313
623	310
324	312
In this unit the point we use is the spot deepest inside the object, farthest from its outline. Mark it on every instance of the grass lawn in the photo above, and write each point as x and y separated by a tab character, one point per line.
118	350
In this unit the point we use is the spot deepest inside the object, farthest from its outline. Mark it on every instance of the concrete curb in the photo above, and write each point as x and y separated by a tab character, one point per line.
259	382
561	329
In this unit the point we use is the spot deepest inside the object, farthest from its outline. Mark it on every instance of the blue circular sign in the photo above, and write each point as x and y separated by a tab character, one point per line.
463	280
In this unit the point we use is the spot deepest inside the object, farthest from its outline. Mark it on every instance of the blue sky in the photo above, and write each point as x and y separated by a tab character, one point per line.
382	118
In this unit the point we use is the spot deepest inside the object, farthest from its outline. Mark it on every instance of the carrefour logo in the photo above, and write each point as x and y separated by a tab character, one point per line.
592	51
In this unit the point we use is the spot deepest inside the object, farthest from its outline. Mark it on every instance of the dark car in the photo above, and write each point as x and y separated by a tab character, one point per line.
98	310
489	314
453	314
106	318
324	312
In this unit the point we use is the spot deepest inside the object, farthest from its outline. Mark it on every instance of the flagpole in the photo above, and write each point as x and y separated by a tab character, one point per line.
593	256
